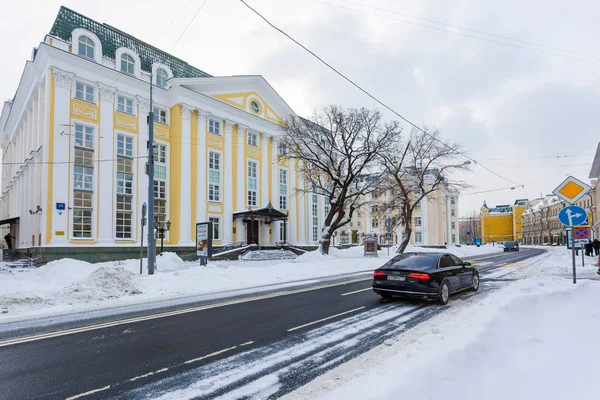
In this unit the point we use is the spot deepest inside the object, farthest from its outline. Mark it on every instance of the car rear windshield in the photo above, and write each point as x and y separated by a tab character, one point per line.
510	244
412	261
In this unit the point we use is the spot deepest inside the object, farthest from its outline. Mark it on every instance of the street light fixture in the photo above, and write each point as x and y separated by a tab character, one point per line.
161	229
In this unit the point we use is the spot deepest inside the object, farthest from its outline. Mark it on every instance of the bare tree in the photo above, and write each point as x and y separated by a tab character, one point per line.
417	166
335	153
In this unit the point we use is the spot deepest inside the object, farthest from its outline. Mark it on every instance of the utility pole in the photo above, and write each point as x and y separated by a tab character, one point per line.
150	165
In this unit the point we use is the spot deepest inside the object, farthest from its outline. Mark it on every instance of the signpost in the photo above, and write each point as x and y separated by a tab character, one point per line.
143	221
572	216
204	241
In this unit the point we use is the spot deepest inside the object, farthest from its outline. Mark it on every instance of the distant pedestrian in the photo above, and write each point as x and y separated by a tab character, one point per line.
8	238
589	249
596	244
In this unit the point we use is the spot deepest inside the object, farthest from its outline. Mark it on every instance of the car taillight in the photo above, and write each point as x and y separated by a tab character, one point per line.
378	274
420	277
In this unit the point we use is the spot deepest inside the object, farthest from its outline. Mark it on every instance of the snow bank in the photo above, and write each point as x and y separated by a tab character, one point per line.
531	339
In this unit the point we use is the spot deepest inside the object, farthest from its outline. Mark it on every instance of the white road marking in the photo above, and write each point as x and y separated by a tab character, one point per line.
481	263
32	338
148	374
356	291
88	393
216	353
247	343
325	319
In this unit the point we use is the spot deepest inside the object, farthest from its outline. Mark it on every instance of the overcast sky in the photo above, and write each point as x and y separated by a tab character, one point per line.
512	109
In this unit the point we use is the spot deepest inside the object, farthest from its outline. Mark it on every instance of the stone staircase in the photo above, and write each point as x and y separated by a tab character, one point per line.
264	255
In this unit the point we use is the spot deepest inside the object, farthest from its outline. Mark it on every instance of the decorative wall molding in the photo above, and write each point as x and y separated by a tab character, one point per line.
62	79
85	111
215	143
186	112
160	131
253	153
107	93
127	122
143	103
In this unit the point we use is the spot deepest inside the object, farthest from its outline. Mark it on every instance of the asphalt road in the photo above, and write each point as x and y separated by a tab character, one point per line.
266	345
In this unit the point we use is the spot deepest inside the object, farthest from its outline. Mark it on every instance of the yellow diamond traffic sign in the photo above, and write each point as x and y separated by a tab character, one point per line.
571	190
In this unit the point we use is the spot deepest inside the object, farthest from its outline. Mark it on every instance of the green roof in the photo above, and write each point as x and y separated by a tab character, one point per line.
68	20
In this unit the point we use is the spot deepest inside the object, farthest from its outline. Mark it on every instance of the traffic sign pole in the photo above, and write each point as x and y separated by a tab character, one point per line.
573	253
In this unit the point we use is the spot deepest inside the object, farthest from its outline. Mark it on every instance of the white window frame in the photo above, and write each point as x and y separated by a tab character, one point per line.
83	173
84	137
283	194
418	221
219	173
162	181
214	126
85	93
282	149
252	139
252	194
126	139
212	218
161	115
124	60
161	79
315	217
419	206
87	47
125	105
418	237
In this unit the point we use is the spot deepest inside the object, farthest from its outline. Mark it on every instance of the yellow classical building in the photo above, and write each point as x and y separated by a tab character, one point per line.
503	222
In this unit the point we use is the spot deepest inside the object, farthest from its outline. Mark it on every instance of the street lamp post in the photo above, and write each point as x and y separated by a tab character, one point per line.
161	229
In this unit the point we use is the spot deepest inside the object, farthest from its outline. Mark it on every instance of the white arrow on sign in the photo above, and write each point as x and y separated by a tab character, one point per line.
571	215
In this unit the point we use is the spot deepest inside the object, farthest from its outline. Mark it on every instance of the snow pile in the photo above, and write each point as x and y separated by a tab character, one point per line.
104	283
531	339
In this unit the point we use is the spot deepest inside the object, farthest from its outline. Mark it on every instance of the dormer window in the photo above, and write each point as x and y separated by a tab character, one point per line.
161	77
86	47
127	64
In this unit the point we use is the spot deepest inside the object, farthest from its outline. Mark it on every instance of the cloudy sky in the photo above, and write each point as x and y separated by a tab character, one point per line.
514	110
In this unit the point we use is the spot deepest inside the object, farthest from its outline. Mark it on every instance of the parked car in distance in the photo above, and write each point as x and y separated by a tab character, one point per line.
511	246
426	275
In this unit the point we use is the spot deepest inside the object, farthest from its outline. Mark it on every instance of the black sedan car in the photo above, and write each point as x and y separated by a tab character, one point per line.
429	275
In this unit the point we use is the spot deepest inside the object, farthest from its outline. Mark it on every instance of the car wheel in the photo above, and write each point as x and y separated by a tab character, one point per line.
444	293
475	282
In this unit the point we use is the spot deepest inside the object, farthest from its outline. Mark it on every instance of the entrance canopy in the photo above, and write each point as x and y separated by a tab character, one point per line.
9	221
268	213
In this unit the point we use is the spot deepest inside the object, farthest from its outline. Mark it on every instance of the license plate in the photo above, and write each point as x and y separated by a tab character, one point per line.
396	278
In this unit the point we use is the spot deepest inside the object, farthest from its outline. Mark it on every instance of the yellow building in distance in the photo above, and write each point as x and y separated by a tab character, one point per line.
503	222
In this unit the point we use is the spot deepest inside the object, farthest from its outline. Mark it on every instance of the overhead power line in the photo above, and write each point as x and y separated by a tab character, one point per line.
491	190
539	157
188	25
375	98
463	34
471	30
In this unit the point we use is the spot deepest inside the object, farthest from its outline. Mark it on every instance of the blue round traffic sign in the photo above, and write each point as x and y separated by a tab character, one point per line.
573	216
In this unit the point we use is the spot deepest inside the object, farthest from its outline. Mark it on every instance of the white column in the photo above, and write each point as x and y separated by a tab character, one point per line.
241	179
141	175
302	211
202	167
292	204
274	165
185	213
425	222
448	220
60	185
105	173
228	183
264	184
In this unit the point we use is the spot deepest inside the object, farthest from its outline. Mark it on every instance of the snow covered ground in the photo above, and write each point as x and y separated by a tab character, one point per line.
68	286
534	338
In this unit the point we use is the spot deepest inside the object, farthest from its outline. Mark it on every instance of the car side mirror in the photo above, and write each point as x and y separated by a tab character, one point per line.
467	264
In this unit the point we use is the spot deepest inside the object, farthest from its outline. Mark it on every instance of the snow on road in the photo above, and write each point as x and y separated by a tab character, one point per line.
534	338
67	286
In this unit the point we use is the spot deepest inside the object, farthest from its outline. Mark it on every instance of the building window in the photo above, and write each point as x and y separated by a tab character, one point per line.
82	214
326	210
283	189
418	237
161	77
255	106
315	217
283	232
160	115
452	213
84	92
214	127
83	178
453	238
216	227
452	201
124	146
124	217
84	136
160	183
282	149
374	223
418	221
86	47
252	139
214	176
127	64
418	206
252	183
124	183
124	105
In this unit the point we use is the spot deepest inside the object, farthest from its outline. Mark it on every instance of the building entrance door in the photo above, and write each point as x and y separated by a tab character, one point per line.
252	232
